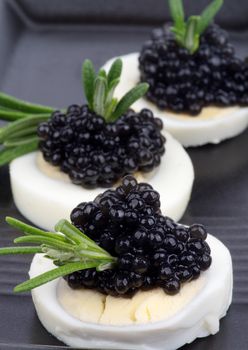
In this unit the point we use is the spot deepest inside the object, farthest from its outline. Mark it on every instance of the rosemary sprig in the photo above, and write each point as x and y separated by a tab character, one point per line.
69	248
19	136
99	91
21	125
188	32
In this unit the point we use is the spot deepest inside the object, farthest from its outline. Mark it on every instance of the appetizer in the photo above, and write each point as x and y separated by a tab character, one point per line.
132	278
81	150
198	86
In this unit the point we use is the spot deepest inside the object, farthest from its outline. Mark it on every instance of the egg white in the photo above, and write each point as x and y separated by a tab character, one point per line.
212	126
38	195
199	318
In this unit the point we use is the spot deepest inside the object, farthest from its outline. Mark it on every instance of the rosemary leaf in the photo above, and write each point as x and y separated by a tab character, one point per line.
191	40
208	15
20	250
177	13
22	226
115	71
110	109
11	115
31	230
23	106
99	95
179	35
102	73
110	93
24	132
128	99
53	274
51	242
105	266
21	141
53	235
70	232
7	155
86	253
22	124
6	109
88	78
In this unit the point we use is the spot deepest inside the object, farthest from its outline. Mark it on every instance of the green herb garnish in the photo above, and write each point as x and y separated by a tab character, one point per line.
69	249
20	135
188	32
15	104
99	91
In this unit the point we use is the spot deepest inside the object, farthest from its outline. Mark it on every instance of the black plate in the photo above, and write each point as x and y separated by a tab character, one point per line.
42	48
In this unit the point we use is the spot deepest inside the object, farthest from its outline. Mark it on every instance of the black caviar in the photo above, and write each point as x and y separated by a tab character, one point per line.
184	82
95	153
152	250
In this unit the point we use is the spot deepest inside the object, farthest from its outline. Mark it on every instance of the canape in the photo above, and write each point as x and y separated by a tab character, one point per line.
198	86
83	149
132	278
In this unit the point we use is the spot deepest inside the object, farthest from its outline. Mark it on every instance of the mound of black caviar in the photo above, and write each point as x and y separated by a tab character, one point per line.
184	82
152	250
96	153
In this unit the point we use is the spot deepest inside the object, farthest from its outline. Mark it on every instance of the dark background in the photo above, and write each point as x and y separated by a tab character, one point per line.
42	46
233	14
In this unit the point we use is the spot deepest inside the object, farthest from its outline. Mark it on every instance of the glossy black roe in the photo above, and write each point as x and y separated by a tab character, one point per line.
184	82
97	154
151	250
